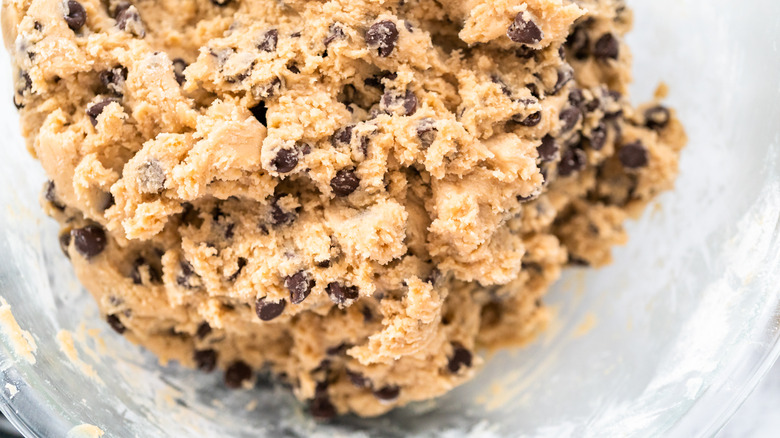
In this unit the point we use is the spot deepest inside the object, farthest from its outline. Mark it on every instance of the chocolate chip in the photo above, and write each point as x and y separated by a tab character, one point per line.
569	119
340	293
241	264
525	52
335	32
579	43
607	47
530	121
394	102
338	349
657	118
294	69
206	360
178	70
90	240
388	393
270	89
129	20
269	41
564	77
573	160
204	329
501	84
237	373
357	379
321	408
96	109
151	177
461	358
434	276
260	112
186	274
64	239
76	16
117	9
114	79
382	36
633	155
548	150
116	324
50	194
427	131
576	98
533	89
155	276
524	31
278	215
598	136
345	182
299	285
221	3
323	264
268	310
285	161
343	136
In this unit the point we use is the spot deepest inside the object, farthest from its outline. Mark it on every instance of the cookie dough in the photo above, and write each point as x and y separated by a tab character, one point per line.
346	196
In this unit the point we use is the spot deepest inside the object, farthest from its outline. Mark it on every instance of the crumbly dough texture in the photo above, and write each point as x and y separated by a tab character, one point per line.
349	196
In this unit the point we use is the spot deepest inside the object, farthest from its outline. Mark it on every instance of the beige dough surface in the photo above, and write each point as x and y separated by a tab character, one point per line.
348	196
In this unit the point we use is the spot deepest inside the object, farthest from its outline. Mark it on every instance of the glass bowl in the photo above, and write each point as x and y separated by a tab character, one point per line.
668	340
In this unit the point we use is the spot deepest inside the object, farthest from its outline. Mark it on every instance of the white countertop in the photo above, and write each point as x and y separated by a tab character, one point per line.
759	417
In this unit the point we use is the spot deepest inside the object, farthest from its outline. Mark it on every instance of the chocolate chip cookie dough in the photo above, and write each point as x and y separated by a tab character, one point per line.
348	196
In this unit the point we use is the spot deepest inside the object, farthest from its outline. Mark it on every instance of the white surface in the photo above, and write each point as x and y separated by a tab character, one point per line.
759	417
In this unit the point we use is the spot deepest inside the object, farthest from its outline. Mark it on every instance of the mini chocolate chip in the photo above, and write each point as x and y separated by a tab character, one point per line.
343	136
577	261
525	52
564	77
434	276
382	36
96	109
569	119
221	3
394	102
237	373
64	239
340	293
116	324
206	360
285	161
548	150
278	215
368	316
178	70
427	131
114	79
241	264
533	89
204	329
260	112
388	393
151	177
524	31
129	20
270	89
501	84
633	155
269	41
186	272
268	310
579	43
530	121
299	285
108	201
335	32
461	358
37	26
357	379
90	240
50	194
76	16
338	349
573	160
598	136
323	264
607	47
321	408
376	81
113	11
345	182
576	98
155	276
657	118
